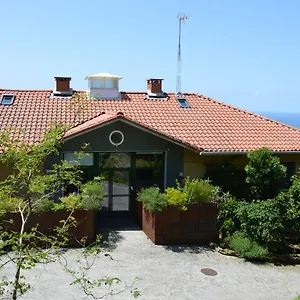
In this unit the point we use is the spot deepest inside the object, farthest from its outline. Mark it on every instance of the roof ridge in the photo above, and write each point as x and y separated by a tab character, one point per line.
25	90
249	112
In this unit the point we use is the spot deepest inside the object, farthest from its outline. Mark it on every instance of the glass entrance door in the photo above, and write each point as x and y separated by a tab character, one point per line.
117	191
120	191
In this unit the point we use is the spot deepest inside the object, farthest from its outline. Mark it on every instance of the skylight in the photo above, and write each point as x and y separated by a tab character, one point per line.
7	99
183	102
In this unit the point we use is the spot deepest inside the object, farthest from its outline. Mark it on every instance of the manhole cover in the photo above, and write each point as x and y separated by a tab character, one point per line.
209	272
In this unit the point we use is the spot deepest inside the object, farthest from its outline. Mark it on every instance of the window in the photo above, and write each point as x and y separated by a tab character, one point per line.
86	160
103	83
183	103
114	160
7	99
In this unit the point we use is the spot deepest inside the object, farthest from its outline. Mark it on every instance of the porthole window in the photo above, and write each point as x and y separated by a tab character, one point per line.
116	138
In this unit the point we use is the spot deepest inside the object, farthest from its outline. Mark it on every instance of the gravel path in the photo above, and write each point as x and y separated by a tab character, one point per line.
171	273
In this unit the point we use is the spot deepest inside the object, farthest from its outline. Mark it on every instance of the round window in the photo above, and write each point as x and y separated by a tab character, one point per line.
116	138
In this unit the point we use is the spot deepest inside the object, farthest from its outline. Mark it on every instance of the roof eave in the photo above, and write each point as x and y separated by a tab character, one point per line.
242	152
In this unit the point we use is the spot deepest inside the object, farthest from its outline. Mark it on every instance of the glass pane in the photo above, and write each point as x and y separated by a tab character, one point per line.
86	160
109	83
149	160
120	203
105	182
98	83
149	170
104	203
120	183
7	100
114	160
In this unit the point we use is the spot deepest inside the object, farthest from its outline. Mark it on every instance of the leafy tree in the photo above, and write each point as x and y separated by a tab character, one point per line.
29	190
264	174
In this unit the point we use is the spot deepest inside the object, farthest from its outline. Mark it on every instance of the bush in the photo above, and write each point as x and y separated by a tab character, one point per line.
92	195
43	206
264	174
194	191
152	199
176	197
197	190
261	221
228	221
246	247
288	204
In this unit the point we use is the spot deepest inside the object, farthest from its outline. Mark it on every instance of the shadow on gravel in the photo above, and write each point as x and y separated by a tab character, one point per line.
110	239
188	249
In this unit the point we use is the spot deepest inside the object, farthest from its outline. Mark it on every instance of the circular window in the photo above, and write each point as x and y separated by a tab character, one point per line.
116	138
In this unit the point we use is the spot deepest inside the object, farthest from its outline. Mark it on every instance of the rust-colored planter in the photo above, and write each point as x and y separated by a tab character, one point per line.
48	220
195	226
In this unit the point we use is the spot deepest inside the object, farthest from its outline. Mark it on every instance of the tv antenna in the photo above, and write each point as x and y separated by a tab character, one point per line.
181	18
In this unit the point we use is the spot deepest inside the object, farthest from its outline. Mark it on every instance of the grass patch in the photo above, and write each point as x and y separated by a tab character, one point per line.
247	248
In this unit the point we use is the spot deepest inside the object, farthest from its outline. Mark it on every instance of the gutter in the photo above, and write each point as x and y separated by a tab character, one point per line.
243	152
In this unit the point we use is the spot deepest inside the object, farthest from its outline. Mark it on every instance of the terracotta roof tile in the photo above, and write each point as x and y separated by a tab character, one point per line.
208	125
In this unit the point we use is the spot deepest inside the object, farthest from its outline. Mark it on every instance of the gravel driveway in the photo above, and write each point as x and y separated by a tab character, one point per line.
171	273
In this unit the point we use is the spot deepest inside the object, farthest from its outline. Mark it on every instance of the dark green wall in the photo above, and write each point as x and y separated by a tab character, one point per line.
135	140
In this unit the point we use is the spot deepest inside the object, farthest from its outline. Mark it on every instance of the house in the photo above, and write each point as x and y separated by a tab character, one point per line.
147	138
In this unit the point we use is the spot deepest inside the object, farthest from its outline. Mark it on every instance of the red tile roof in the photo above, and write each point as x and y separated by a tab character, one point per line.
208	125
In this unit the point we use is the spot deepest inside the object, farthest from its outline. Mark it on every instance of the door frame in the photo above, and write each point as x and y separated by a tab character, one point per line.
110	212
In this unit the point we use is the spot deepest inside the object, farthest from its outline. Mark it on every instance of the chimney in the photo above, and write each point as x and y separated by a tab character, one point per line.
63	86
154	89
154	85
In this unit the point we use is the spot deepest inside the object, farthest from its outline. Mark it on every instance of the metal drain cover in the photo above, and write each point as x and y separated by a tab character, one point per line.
209	272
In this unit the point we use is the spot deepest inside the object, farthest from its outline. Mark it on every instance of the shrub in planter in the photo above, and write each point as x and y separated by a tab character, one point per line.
92	195
176	197
197	190
194	191
152	199
245	247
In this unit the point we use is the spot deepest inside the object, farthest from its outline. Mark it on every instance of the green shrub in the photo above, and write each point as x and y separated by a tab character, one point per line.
264	174
152	199
261	221
297	298
288	204
92	195
194	191
43	206
228	221
176	197
246	247
197	190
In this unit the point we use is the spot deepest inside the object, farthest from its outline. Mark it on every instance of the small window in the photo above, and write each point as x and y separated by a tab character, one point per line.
103	83
7	99
183	103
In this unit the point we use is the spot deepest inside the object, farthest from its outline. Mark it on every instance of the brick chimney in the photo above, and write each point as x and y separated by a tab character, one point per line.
154	86
62	86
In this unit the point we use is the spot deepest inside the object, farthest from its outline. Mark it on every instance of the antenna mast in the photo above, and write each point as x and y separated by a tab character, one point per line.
181	18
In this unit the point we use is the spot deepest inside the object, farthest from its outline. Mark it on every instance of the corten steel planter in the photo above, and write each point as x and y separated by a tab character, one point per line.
195	226
47	221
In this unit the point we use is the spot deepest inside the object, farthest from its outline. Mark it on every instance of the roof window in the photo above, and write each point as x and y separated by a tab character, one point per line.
183	102
7	99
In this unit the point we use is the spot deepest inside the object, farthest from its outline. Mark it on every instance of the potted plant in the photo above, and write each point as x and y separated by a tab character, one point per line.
181	215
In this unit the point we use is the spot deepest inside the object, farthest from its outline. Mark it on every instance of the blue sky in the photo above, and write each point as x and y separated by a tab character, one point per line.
245	53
